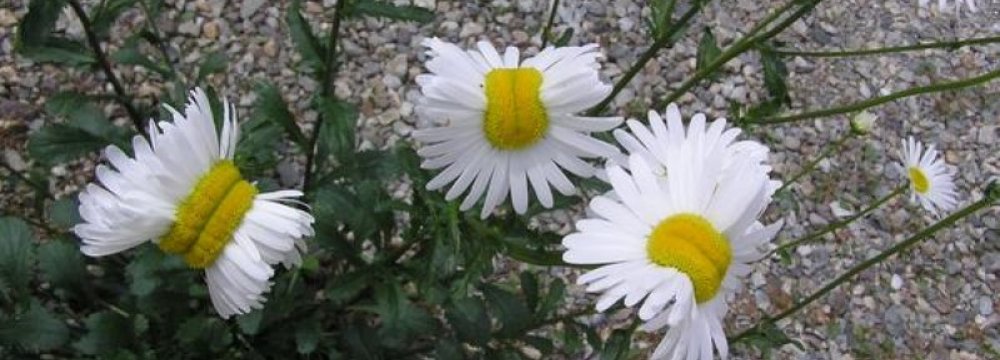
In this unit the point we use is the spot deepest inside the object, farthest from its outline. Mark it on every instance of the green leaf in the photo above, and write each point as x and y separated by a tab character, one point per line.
312	51
213	63
401	319
510	311
396	12
141	272
62	264
106	332
255	153
617	346
35	330
204	333
38	23
552	299
775	74
516	249
307	335
59	143
60	51
448	349
272	107
250	323
16	253
469	319
104	16
563	39
347	286
64	212
336	137
129	54
708	49
529	286
766	337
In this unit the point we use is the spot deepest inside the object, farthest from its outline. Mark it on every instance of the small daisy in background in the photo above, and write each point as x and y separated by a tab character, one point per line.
182	191
863	122
677	234
930	178
502	123
952	5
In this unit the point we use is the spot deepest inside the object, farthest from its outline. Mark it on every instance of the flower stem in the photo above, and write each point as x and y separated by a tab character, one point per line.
751	39
949	45
109	73
548	25
837	225
327	89
811	166
992	195
660	43
945	86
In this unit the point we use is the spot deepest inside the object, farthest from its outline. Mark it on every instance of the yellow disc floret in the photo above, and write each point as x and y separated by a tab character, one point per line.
205	221
920	182
515	116
691	245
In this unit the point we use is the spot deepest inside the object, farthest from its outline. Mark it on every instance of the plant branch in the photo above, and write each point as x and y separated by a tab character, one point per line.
808	168
548	25
837	225
949	45
746	43
109	73
945	86
992	195
327	89
663	41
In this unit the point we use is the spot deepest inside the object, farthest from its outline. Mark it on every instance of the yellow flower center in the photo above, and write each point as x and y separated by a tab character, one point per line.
206	219
919	179
690	244
515	116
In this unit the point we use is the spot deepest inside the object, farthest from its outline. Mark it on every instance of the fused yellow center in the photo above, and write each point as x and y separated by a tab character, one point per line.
515	116
205	221
919	179
691	245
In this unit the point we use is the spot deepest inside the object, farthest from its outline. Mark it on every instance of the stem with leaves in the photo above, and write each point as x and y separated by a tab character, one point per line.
948	45
945	86
840	224
109	73
546	32
751	39
327	88
660	43
811	166
992	195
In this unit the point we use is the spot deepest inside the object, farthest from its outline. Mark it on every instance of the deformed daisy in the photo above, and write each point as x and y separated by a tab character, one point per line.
182	191
502	123
930	178
679	233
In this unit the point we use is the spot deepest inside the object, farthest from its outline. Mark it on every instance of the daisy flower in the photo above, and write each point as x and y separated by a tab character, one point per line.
947	5
182	191
930	179
501	123
678	233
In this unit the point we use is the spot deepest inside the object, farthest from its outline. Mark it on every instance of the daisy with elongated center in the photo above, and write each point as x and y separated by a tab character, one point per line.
182	191
930	178
502	126
679	229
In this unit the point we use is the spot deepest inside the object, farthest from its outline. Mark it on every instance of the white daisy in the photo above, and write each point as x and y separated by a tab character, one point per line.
182	191
502	123
948	5
677	234
930	178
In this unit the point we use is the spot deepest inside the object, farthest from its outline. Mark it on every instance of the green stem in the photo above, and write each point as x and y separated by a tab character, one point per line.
548	25
992	195
837	225
327	89
109	73
649	54
746	43
950	45
945	86
808	168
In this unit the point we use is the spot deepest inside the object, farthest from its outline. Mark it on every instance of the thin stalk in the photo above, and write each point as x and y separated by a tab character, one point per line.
109	73
950	45
945	86
327	88
840	224
808	168
546	32
746	43
649	54
158	38
993	194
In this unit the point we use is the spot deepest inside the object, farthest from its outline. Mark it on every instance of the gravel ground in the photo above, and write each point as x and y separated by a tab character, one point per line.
937	301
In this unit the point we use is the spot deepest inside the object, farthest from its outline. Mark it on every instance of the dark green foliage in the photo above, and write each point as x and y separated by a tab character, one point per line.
388	10
708	49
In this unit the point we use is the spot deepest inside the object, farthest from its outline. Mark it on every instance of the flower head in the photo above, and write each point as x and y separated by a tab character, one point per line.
863	122
930	179
182	191
679	229
502	123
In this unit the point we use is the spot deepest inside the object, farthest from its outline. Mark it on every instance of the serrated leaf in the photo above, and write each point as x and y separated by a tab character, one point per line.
552	299
529	287
65	213
104	16
35	330
16	253
255	153
508	309
307	335
60	51
271	107
400	319
775	74
214	62
61	264
617	346
204	332
469	319
708	49
391	11
141	272
312	51
38	23
250	323
337	134
59	143
106	332
515	248
347	286
129	54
